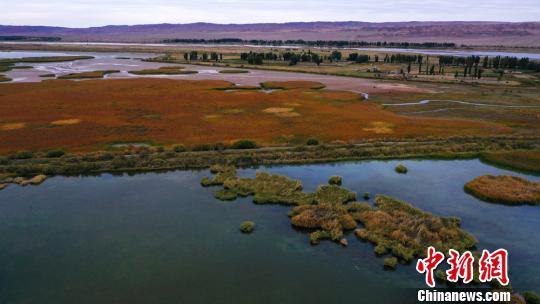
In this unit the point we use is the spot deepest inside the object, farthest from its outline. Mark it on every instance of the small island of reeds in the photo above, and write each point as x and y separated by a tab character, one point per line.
167	70
88	75
503	189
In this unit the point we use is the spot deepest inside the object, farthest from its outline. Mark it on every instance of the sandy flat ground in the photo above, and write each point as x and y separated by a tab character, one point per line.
111	61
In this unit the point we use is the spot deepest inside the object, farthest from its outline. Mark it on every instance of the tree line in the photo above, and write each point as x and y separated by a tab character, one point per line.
318	43
496	62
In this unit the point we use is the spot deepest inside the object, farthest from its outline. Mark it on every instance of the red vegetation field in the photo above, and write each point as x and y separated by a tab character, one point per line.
89	115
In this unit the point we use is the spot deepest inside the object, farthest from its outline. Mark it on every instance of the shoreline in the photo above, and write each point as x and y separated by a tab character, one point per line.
151	159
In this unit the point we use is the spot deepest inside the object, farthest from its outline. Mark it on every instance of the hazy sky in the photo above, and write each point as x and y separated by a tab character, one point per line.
83	13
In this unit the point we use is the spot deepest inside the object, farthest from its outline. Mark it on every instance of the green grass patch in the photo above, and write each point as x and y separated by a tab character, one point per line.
88	75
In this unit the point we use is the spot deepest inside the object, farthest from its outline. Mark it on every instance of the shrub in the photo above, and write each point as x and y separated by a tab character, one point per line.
22	155
55	153
335	180
179	149
209	147
312	142
401	169
390	263
380	250
366	195
244	144
247	227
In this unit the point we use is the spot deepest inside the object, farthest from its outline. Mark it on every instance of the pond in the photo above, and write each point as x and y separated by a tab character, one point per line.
162	238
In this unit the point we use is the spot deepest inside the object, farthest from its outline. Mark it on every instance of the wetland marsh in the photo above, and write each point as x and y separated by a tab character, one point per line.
159	237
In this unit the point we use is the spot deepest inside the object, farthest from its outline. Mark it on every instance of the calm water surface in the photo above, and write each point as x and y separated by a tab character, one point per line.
162	238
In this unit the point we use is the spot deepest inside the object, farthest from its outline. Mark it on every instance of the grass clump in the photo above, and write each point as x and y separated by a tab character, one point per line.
407	231
503	189
247	227
401	169
335	180
380	250
221	174
390	263
244	144
55	153
312	142
332	219
88	75
269	189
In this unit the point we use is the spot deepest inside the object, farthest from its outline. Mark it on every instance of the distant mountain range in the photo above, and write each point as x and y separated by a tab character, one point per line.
470	33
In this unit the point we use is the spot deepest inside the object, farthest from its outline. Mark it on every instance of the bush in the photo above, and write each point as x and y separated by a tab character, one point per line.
380	250
55	153
366	195
531	297
209	147
390	263
335	180
312	142
179	149
244	144
22	155
401	169
247	227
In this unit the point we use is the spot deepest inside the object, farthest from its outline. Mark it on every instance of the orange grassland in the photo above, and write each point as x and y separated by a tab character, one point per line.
90	115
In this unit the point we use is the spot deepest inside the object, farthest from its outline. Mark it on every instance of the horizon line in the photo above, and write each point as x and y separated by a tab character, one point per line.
275	23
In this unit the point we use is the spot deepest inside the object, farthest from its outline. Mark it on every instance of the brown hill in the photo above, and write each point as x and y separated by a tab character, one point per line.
470	33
